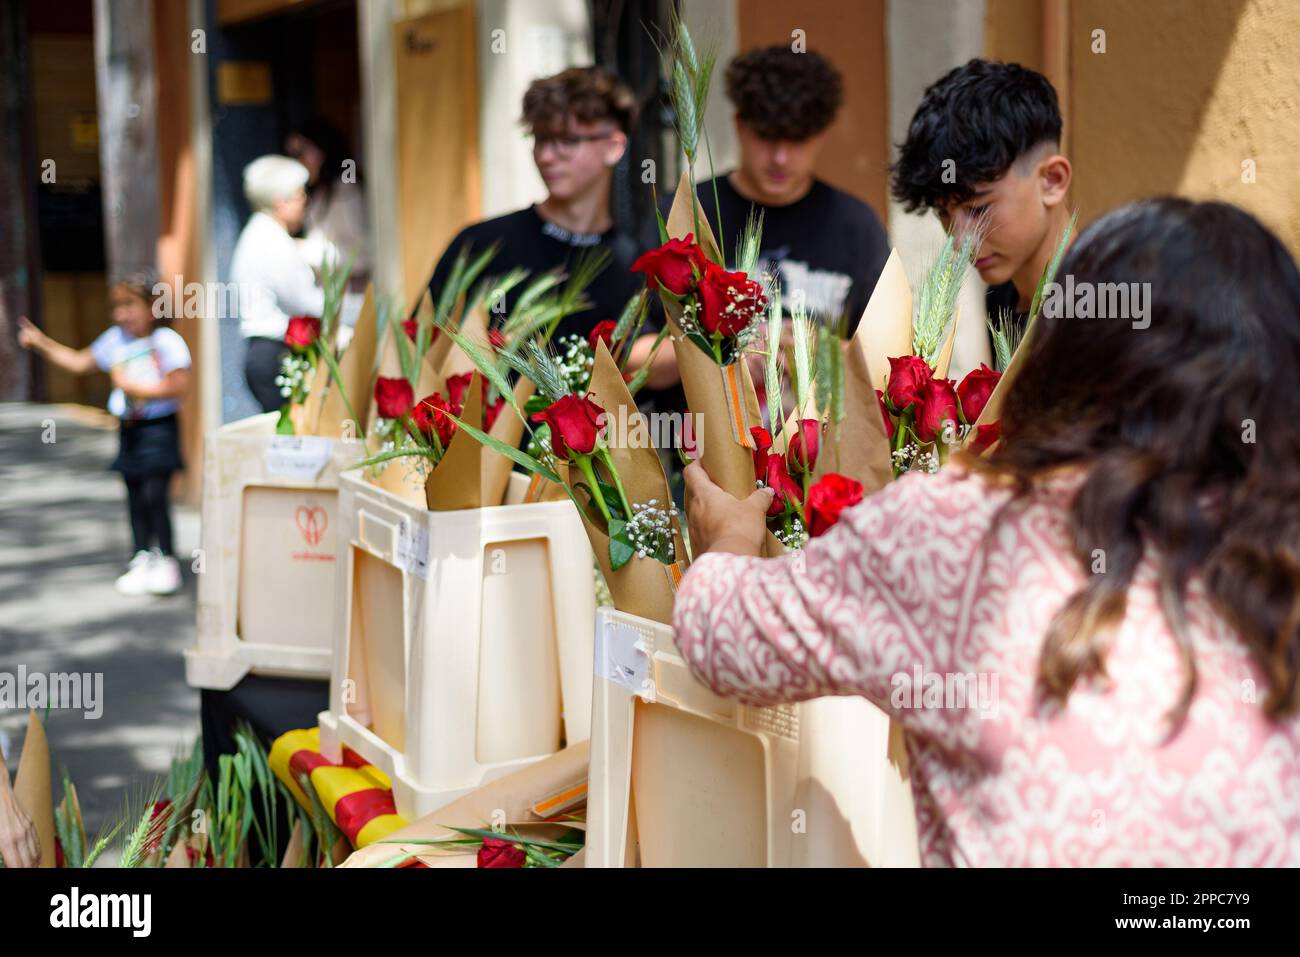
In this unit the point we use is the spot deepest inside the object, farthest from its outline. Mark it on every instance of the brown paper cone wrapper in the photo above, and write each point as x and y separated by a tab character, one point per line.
456	482
643	586
32	789
513	795
508	428
682	216
177	857
293	853
859	447
356	368
402	477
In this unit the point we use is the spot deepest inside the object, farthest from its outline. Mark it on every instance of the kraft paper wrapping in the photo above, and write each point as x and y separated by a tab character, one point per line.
32	788
457	480
513	795
992	411
643	586
293	853
721	397
356	370
471	475
177	857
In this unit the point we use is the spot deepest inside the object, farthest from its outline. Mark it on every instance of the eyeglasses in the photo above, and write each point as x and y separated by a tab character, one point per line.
566	144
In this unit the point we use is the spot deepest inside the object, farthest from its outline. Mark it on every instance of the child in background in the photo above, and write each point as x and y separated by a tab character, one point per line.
149	364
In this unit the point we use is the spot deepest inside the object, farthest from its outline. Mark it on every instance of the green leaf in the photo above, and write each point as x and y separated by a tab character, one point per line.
620	546
509	451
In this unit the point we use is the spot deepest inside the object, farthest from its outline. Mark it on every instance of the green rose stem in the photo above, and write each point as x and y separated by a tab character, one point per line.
618	483
584	465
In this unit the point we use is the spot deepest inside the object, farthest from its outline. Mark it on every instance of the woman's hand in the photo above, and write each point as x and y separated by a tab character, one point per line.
719	522
19	844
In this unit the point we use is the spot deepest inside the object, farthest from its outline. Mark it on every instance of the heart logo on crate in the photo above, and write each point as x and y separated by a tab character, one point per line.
312	523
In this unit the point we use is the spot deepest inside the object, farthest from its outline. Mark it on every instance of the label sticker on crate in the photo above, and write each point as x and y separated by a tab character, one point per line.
298	456
412	549
622	657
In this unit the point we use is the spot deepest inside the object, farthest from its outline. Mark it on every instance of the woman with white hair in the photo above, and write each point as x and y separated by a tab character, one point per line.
272	279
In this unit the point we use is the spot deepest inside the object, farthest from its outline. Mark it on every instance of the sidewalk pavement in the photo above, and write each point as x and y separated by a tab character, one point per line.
64	538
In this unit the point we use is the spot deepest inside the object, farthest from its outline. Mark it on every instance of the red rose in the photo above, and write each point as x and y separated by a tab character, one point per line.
729	301
498	853
457	386
674	265
884	414
907	378
412	329
575	421
395	397
975	390
937	405
985	437
801	455
827	498
604	331
762	449
302	332
788	491
432	416
496	339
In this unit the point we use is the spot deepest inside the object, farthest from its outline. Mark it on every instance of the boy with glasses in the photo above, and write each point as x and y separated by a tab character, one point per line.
579	121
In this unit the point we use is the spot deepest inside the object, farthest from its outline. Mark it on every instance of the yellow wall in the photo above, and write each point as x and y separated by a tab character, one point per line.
1186	91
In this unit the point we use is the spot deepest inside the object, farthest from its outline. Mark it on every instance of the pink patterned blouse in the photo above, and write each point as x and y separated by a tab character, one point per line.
918	602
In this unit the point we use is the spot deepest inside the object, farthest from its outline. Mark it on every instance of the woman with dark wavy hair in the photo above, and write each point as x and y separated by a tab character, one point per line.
1123	571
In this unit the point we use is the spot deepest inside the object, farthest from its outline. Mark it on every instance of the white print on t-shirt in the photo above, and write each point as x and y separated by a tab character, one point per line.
824	292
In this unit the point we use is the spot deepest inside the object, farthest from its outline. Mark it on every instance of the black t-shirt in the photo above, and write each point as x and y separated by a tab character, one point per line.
828	244
529	242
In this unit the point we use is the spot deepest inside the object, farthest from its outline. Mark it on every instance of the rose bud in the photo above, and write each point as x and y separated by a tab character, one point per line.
432	417
762	449
411	327
937	405
884	414
604	331
974	392
301	332
674	265
907	378
394	397
827	498
496	339
498	853
787	490
801	455
575	422
986	436
457	386
729	301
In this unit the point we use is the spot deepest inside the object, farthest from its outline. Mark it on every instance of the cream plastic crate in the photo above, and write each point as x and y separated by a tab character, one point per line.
683	778
465	645
268	554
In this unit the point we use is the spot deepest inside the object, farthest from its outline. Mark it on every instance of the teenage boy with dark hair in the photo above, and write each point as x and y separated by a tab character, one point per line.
579	121
985	142
817	240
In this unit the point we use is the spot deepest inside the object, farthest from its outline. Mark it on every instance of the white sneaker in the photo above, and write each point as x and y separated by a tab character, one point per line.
164	574
135	581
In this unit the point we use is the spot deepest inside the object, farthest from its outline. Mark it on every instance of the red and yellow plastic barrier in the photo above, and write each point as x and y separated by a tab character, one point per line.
357	796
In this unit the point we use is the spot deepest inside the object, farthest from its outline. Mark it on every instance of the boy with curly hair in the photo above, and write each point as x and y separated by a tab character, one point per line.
818	242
